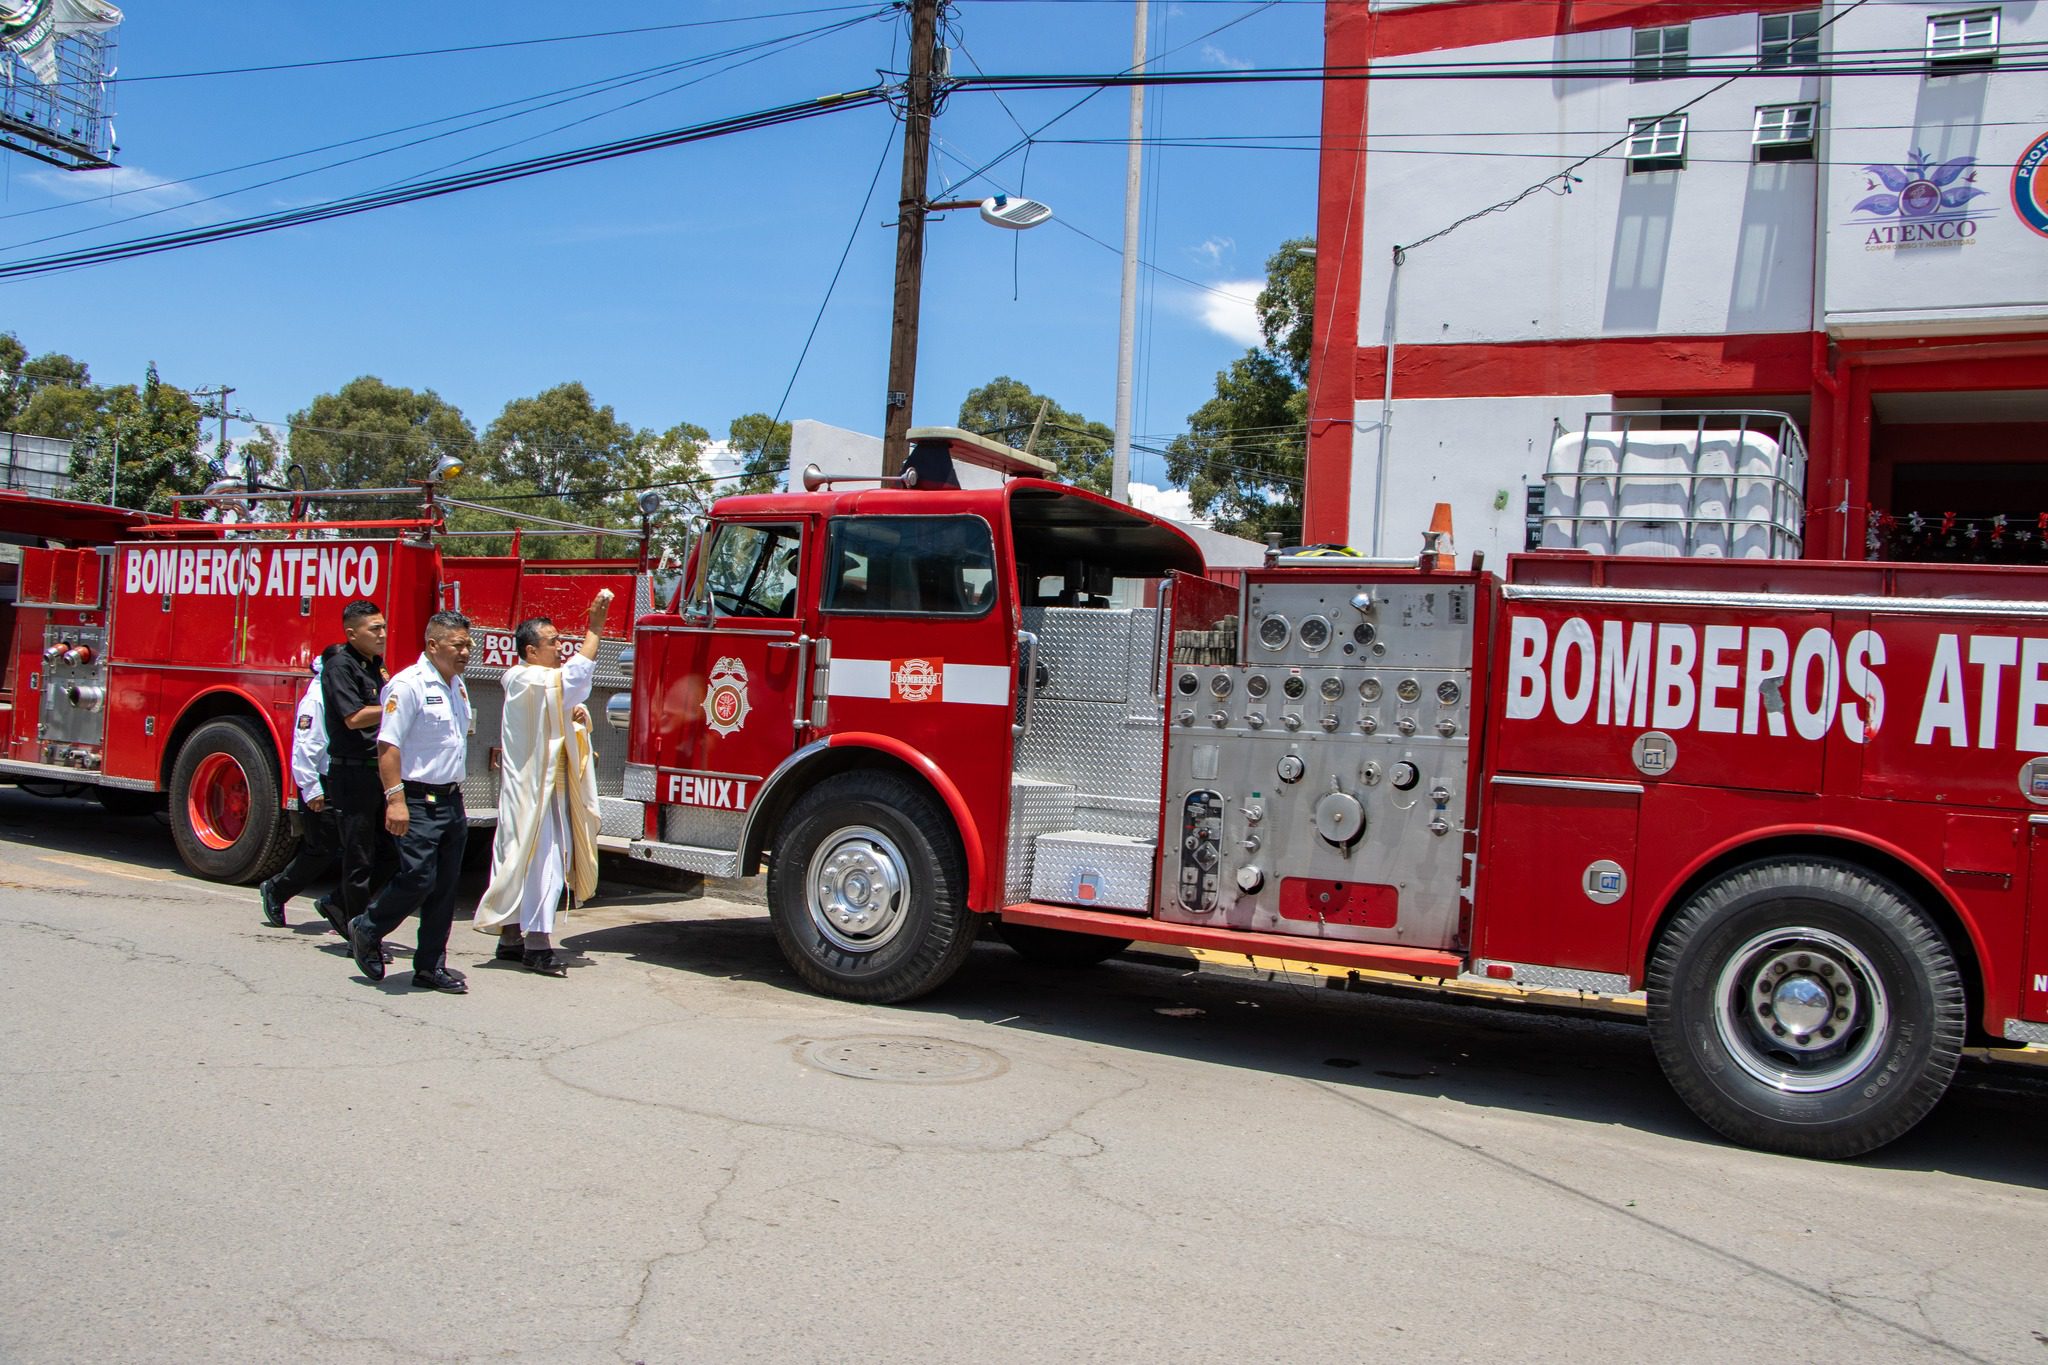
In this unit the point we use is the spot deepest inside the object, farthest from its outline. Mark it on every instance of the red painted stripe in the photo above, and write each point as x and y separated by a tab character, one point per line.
1768	362
1372	957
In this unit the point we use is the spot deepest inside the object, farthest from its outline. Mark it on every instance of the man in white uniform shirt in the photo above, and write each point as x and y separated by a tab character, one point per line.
546	842
422	745
319	839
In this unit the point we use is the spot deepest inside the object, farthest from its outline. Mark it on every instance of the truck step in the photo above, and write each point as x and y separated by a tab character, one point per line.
1372	957
1087	868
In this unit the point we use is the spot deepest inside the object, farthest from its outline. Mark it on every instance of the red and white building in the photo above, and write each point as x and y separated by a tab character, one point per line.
1853	231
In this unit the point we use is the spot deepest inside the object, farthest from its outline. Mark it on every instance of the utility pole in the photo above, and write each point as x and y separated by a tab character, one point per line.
919	101
1127	320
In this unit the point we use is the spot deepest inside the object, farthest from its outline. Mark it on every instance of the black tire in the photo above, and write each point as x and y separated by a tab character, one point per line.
853	833
1059	947
125	801
1818	945
224	851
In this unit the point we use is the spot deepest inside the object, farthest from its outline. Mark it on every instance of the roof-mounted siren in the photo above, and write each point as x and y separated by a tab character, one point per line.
1677	484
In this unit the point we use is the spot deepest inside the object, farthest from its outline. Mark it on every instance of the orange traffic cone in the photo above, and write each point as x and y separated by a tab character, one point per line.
1437	551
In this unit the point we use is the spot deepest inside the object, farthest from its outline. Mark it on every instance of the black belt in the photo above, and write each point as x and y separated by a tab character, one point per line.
370	761
433	788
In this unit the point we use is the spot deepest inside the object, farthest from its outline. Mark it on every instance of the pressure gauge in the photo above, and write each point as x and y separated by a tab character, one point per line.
1255	685
1447	692
1187	683
1364	632
1408	690
1332	688
1219	685
1294	687
1314	633
1275	631
1369	690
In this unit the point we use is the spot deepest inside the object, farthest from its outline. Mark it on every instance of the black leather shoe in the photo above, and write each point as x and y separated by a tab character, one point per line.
510	950
336	919
545	962
273	906
368	952
441	979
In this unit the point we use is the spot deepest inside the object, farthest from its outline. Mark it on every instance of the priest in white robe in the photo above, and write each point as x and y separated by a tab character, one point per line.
546	846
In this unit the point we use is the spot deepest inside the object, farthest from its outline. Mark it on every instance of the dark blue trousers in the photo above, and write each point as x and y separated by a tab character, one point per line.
429	866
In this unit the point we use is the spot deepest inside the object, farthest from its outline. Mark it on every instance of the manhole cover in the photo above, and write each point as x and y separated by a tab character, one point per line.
915	1061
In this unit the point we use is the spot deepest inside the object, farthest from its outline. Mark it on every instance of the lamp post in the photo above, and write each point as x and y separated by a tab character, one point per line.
920	103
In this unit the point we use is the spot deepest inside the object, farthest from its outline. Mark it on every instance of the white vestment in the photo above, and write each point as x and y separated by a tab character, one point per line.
547	800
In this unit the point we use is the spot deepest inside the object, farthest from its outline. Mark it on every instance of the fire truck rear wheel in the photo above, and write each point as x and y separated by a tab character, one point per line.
1059	947
1806	1006
227	817
868	889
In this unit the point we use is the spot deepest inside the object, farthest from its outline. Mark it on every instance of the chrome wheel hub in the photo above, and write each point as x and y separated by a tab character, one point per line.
1801	1010
857	889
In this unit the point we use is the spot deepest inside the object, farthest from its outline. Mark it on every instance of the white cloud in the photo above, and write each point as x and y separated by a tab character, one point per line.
1171	503
1214	251
1222	58
129	188
1230	308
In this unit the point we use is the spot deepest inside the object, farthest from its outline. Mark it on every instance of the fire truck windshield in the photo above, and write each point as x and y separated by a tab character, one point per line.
749	570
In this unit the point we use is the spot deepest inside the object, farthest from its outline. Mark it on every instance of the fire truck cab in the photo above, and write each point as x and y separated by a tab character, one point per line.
1803	806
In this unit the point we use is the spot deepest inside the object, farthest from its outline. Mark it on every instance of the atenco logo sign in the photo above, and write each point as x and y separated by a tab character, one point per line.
1982	691
265	571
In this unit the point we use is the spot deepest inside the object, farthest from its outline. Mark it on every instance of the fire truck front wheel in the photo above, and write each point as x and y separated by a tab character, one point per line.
227	817
867	889
1806	1006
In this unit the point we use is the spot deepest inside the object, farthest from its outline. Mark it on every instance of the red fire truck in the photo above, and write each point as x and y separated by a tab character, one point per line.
1803	805
157	662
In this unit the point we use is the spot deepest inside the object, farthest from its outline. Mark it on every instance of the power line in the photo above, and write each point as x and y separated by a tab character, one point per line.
492	175
470	47
587	91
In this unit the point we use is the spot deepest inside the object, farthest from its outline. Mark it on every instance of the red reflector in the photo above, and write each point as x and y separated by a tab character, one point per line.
1500	971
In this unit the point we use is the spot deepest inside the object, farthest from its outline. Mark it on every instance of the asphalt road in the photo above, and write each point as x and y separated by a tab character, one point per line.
221	1143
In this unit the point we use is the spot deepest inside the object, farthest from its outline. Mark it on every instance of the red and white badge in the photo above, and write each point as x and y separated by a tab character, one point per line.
917	680
725	697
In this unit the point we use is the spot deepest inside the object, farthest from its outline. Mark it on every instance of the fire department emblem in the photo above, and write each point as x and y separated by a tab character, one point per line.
725	697
917	680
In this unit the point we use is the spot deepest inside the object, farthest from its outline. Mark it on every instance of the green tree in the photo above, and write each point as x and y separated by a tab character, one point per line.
156	431
563	444
1243	455
1005	409
762	443
49	395
371	434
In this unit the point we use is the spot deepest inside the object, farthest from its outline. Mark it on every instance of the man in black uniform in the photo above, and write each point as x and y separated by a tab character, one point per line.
351	676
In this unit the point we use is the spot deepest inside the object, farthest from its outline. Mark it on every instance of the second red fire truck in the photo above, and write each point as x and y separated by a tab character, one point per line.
1803	805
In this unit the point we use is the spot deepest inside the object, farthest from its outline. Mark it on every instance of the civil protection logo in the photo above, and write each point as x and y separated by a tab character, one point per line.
725	696
2030	185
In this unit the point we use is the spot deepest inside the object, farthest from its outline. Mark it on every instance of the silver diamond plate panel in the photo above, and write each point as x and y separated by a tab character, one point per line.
1035	808
638	782
1094	747
1095	871
1136	819
719	829
487	711
2020	1031
619	819
1552	978
709	861
1086	651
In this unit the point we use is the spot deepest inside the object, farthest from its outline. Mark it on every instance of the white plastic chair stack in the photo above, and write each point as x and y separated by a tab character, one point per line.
1578	492
1763	503
1656	493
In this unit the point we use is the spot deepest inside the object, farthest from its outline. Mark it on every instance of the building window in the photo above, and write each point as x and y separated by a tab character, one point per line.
1963	41
1660	53
1657	144
1784	132
1791	40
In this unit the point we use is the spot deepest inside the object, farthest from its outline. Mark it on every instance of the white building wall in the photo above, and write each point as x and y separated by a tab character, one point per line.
1477	454
1995	278
1723	246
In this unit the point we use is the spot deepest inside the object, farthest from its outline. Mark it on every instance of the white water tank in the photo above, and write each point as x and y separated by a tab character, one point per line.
1700	492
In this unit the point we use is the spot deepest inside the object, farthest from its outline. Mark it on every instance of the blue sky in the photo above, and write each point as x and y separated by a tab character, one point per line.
677	285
